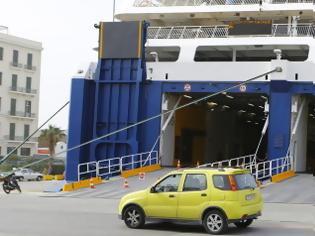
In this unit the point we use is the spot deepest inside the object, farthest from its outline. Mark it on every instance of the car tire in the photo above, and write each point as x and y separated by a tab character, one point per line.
39	178
20	178
243	224
215	222
134	217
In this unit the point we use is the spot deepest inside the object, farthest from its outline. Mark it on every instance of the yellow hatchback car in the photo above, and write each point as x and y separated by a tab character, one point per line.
213	197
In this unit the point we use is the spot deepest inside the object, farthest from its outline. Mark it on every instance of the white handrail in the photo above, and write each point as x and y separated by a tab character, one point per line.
172	3
234	162
222	31
89	169
112	166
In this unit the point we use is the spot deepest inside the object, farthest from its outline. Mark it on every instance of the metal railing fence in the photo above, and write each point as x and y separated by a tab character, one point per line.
172	3
222	31
114	166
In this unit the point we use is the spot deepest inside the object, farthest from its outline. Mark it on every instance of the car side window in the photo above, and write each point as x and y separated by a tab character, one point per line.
195	182
221	182
169	184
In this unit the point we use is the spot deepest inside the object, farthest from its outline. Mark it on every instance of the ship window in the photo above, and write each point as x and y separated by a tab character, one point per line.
251	53
205	53
255	55
268	55
162	54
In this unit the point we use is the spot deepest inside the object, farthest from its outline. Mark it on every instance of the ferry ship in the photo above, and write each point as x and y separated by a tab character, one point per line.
195	48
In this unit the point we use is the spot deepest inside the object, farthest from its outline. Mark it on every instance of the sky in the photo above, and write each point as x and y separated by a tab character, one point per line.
65	28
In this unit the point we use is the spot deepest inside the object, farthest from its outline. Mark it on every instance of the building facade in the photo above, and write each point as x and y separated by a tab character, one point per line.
20	61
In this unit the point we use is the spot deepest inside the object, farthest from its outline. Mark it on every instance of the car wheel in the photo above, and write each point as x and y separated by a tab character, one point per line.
39	178
215	222
20	178
134	217
243	224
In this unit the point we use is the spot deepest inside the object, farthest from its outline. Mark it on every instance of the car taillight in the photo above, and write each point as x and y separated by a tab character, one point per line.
232	183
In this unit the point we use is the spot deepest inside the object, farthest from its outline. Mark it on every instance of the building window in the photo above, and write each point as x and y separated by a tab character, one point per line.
0	78
25	152
14	82
10	149
1	53
12	131
15	58
26	131
13	107
28	84
29	61
28	108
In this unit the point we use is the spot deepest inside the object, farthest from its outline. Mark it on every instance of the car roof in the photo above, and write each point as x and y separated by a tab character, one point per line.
221	171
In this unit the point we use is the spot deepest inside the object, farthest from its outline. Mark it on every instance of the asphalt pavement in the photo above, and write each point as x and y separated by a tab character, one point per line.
92	212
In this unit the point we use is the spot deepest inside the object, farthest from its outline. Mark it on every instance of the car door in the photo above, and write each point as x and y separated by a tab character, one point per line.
163	197
25	174
193	196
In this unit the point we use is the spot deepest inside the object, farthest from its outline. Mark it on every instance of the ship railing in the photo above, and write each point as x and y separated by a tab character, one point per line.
170	3
242	161
222	31
107	168
265	170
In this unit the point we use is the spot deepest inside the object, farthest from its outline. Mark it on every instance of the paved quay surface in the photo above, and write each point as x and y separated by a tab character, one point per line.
94	212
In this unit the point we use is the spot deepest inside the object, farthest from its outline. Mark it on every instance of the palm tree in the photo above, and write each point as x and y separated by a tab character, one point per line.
52	135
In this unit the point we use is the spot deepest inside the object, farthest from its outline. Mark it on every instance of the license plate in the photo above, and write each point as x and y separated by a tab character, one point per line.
250	197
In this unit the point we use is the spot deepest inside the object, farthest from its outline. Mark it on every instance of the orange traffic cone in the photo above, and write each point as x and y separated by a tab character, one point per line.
92	183
126	185
178	164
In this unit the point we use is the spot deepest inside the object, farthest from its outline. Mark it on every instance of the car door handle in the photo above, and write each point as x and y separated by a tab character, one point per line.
171	196
203	195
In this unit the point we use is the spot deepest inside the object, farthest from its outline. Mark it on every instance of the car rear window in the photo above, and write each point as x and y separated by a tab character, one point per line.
239	182
244	181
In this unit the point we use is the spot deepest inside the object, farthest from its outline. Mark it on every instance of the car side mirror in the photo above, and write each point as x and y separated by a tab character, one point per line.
152	190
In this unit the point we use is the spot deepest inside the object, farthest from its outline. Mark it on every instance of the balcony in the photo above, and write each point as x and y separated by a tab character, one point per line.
11	138
170	3
22	90
16	65
21	114
222	31
30	68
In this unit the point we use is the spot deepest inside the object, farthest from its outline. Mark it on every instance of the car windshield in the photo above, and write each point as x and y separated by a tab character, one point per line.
245	181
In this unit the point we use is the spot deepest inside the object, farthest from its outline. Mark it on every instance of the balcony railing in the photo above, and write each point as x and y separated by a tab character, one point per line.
222	31
30	67
19	138
23	90
169	3
16	64
22	114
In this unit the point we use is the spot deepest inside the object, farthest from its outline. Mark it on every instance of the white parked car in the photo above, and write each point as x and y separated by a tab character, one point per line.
28	174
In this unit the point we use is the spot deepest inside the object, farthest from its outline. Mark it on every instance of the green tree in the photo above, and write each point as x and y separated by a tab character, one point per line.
52	135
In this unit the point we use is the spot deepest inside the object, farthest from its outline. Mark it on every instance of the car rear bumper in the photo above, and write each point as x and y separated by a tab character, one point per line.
245	217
